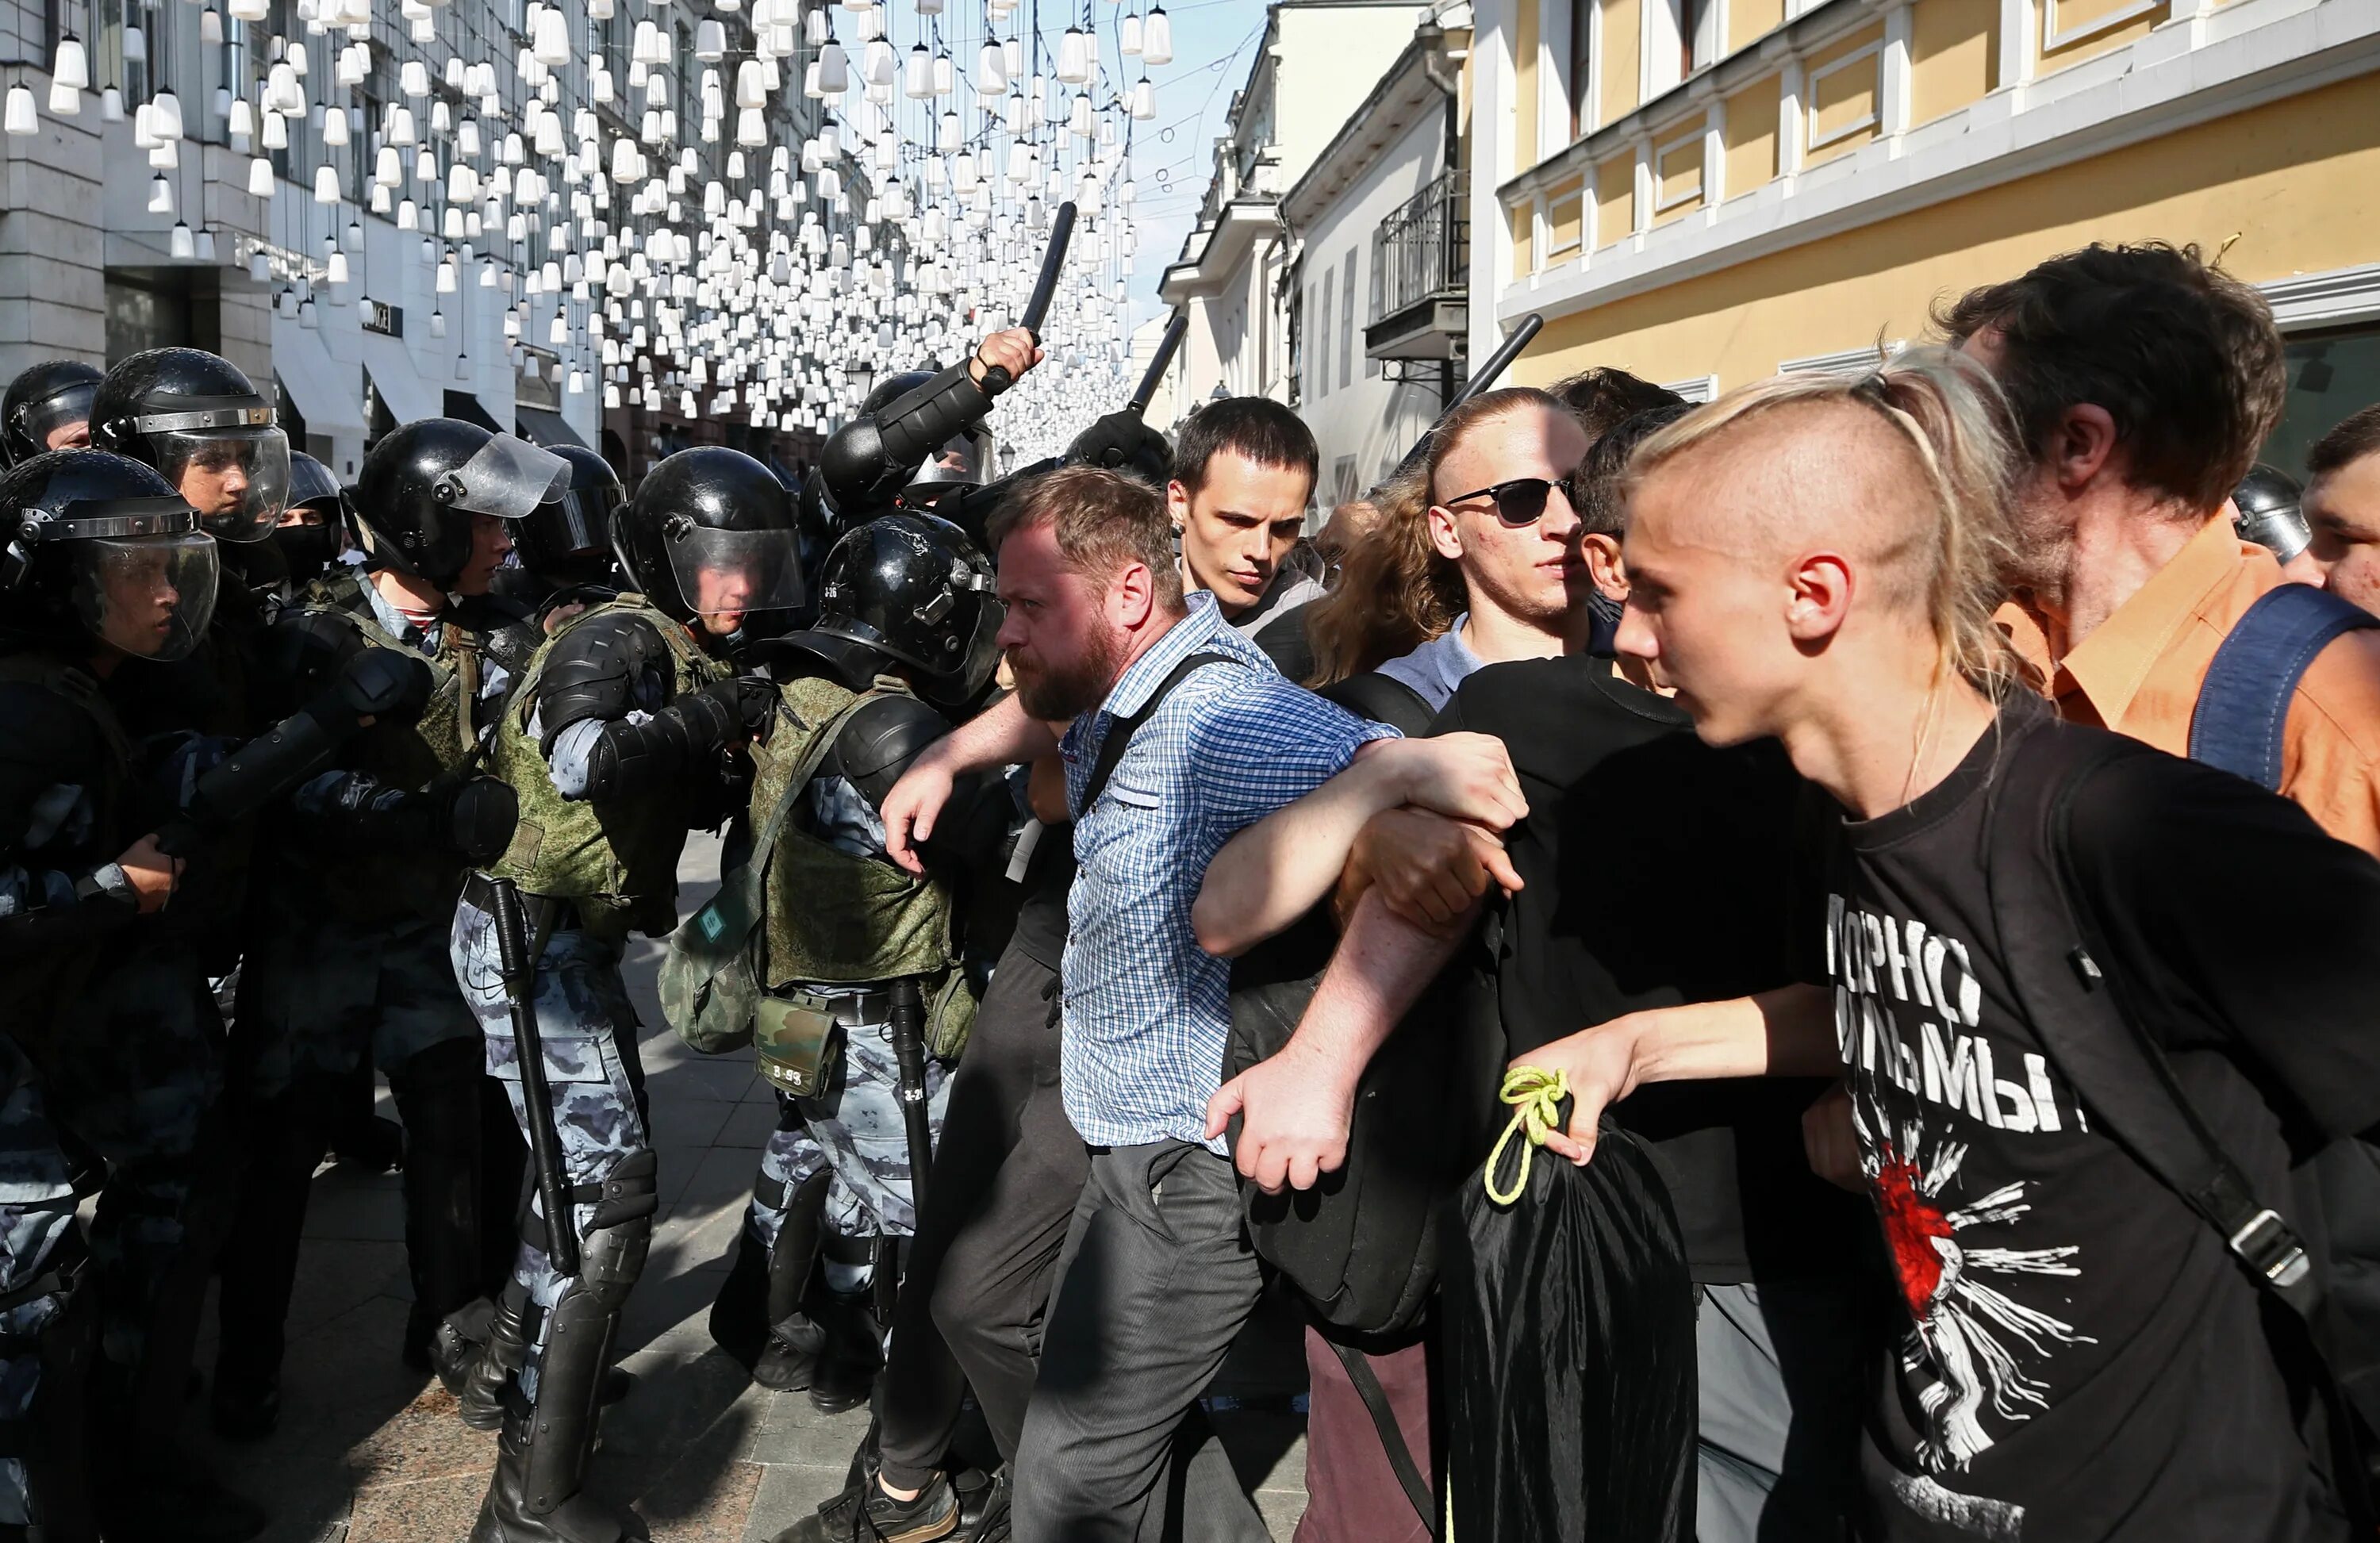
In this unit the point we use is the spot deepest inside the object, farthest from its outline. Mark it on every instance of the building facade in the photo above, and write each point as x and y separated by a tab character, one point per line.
1709	191
1319	61
1377	286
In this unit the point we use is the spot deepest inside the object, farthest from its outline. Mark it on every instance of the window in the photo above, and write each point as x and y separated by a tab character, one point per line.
2330	375
1582	65
1347	324
1322	340
1342	480
1690	21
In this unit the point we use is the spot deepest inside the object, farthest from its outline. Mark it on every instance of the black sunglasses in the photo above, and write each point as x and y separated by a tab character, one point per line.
1522	501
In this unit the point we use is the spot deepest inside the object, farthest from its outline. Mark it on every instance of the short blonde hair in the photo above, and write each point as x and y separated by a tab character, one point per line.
1946	408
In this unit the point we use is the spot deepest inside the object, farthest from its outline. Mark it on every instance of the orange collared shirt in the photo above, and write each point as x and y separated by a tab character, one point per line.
2140	671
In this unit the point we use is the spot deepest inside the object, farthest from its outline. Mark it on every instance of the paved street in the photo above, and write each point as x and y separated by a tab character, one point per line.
371	1452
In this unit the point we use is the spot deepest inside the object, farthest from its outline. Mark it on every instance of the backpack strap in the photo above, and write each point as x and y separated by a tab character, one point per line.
1120	733
2243	704
2118	1071
1392	1436
1383	699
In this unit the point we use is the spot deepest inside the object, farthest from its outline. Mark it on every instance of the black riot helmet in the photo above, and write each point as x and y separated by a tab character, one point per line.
2272	513
421	484
567	539
102	550
196	419
43	400
914	588
710	533
313	529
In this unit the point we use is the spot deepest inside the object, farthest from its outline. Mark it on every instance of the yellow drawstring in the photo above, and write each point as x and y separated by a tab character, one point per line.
1535	1097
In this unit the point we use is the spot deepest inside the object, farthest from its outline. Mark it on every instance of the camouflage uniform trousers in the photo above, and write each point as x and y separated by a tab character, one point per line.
37	1213
140	1086
587	1029
854	1127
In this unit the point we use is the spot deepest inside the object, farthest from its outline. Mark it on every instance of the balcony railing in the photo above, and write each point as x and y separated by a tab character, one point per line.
1422	251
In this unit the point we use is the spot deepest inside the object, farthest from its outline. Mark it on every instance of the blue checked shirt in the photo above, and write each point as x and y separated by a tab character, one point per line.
1145	1018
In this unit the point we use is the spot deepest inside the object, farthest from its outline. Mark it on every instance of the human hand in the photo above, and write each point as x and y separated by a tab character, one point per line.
1464	777
1603	1069
1294	1114
1013	350
1429	869
1831	1141
152	873
910	809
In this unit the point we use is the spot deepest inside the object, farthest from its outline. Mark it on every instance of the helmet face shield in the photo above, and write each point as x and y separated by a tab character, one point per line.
728	573
567	534
976	659
148	597
38	420
507	478
238	479
963	461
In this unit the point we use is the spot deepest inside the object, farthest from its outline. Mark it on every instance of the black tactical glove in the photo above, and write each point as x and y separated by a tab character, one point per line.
1120	441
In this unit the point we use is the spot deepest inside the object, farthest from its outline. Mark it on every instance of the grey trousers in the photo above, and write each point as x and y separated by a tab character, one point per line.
1156	1280
1783	1370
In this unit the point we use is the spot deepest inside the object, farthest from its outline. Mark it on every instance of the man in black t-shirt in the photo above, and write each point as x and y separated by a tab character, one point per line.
2081	1358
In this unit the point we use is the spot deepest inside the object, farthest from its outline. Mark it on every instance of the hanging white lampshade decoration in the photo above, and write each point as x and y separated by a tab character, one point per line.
337	271
1144	100
408	216
1128	35
550	46
710	39
600	10
306	316
1079	118
1074	56
1157	37
355	63
22	119
65	102
466	137
136	46
259	177
72	67
160	192
992	72
276	132
335	127
249	10
917	80
833	71
878	66
326	184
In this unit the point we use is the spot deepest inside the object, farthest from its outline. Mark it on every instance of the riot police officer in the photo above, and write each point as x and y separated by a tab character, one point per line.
106	573
561	560
47	407
621	734
2269	509
313	532
349	937
903	638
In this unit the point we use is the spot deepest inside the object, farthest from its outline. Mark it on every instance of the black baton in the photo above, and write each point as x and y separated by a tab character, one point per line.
1174	330
996	378
909	1056
544	1145
1491	369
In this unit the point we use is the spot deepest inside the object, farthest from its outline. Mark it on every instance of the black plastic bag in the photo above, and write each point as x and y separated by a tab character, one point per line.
1569	1341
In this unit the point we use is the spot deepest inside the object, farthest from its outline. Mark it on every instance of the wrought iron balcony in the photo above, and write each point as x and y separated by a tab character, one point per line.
1421	275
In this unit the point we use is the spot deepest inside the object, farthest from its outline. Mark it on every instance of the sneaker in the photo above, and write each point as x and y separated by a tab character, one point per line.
867	1514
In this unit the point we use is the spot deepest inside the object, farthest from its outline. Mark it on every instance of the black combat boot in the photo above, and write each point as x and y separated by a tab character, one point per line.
480	1399
788	1361
851	1355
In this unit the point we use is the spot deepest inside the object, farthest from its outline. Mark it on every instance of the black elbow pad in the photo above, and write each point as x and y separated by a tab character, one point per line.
592	672
629	761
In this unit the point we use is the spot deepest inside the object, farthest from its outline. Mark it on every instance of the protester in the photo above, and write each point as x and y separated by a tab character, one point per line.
1244	470
1395	592
2142	381
2342	506
1816	560
1350	522
1156	1277
1667	844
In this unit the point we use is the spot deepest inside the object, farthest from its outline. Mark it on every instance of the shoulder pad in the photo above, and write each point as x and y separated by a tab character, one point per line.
808	655
881	738
593	669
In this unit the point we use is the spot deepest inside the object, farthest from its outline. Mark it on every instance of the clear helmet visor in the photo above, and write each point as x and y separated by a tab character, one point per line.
508	478
69	409
236	479
148	597
728	573
963	461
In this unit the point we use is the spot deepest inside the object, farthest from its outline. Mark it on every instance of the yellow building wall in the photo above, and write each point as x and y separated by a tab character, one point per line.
1615	200
1953	55
1678	178
2292	180
1750	20
1526	142
1837	98
2070	14
1623	31
1750	133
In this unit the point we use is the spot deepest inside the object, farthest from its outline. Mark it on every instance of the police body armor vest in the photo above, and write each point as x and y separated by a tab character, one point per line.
383	886
832	919
614	859
37	1005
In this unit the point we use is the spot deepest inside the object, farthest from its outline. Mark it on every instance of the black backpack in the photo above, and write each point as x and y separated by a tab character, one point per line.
2325	1265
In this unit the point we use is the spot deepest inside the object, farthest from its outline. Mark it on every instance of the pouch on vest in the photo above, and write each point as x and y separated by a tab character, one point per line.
795	1036
710	977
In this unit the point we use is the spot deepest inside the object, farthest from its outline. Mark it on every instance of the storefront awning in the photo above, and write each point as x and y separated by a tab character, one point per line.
401	387
470	410
549	429
326	392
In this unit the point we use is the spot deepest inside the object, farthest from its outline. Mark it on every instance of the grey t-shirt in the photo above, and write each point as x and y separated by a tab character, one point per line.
1435	668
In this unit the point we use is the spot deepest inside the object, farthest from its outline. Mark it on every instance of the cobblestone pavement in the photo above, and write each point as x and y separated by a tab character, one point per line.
371	1452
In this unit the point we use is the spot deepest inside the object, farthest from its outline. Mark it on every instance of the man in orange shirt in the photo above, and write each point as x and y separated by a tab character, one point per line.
2140	381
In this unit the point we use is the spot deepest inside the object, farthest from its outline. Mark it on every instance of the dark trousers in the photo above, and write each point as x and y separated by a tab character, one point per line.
1156	1280
1005	1179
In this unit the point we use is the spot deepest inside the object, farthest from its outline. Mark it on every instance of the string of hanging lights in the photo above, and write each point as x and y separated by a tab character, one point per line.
746	209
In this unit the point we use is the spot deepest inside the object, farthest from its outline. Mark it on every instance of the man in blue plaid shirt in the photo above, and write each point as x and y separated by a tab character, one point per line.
1158	1276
